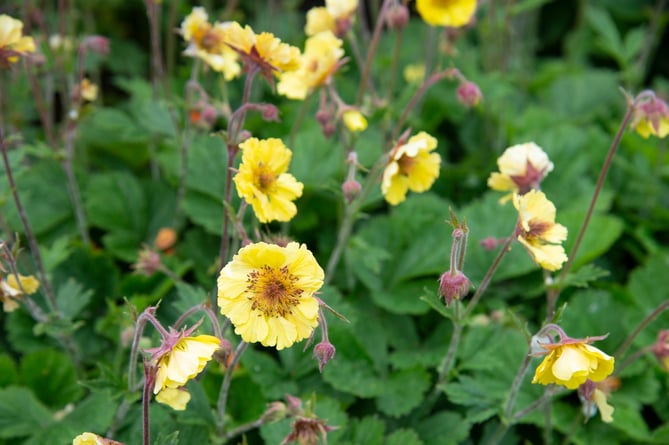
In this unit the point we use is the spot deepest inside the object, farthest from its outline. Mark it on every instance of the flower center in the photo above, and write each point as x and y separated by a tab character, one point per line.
406	163
265	178
274	291
537	230
530	180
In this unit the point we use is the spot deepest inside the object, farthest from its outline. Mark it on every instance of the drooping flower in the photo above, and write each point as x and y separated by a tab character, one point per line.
336	17
593	398
411	166
88	90
175	398
267	292
321	58
12	41
652	118
452	13
354	120
12	290
263	182
570	362
93	439
537	230
206	42
181	358
522	167
263	51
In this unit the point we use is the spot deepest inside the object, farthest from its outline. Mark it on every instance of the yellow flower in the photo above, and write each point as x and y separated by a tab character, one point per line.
206	42
267	292
354	120
652	118
322	52
572	364
175	398
11	291
605	410
453	13
12	42
89	90
335	17
262	51
185	360
411	167
521	168
263	182
414	73
537	230
87	439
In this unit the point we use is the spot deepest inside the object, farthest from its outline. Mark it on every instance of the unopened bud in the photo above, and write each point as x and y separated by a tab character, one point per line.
453	285
165	238
351	188
148	262
468	94
342	25
96	44
270	113
294	405
275	411
661	348
208	115
223	354
489	243
397	16
324	352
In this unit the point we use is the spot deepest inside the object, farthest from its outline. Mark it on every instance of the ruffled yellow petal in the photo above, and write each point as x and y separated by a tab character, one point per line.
453	13
175	398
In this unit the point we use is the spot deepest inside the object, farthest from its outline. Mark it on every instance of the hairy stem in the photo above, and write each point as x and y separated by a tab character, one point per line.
227	380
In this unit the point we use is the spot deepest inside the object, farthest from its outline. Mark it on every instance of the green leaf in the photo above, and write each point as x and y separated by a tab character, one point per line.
51	375
600	235
8	372
354	377
403	437
369	430
583	276
316	163
167	438
72	298
443	428
628	420
403	391
154	117
634	41
31	417
603	24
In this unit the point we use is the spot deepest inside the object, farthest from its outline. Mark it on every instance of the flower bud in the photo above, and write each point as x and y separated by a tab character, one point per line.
165	238
223	355
354	120
324	352
270	113
342	25
96	44
148	262
351	189
468	94
661	348
294	405
453	285
275	411
208	115
489	243
397	16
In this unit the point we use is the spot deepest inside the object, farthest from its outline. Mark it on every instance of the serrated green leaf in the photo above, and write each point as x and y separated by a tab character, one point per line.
354	377
600	20
403	437
443	428
154	117
51	375
32	417
433	300
72	298
368	430
168	438
628	420
403	391
600	235
583	276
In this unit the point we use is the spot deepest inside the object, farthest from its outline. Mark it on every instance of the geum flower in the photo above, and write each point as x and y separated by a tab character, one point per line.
263	182
521	168
453	13
537	230
181	358
570	362
11	290
267	292
411	166
321	58
262	52
12	41
206	42
652	118
335	17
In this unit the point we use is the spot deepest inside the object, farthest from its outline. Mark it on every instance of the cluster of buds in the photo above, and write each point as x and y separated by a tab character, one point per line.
326	116
454	284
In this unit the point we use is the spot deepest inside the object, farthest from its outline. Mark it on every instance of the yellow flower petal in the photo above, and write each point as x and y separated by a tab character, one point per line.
572	364
175	398
453	13
186	360
605	410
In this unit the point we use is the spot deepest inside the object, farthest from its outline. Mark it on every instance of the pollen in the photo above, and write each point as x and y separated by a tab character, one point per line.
273	291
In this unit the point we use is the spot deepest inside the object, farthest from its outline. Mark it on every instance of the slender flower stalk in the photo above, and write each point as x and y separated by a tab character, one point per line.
202	307
640	327
372	50
632	104
225	387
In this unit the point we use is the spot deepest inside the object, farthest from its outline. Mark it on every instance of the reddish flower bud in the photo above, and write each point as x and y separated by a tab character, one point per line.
468	94
324	352
351	189
453	285
270	113
397	16
96	44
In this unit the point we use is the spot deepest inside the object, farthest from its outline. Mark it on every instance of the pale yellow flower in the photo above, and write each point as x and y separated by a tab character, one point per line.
263	51
263	182
453	13
267	292
522	167
605	410
537	230
354	120
11	291
652	119
335	17
414	73
89	90
175	398
207	43
186	359
571	364
12	42
411	166
93	439
322	53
